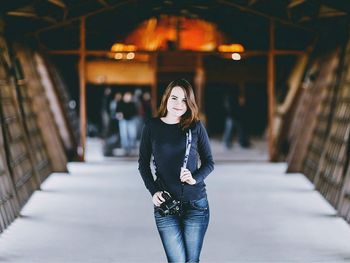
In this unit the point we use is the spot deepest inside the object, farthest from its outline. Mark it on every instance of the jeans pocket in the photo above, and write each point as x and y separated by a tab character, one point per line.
201	204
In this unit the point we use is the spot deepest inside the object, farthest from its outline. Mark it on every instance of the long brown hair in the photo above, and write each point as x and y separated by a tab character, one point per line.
191	115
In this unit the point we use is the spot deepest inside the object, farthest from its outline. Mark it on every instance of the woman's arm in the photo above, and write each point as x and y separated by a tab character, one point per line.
145	158
207	163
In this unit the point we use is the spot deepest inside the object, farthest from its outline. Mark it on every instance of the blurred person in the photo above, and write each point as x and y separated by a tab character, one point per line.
144	111
126	114
113	111
241	120
228	103
235	121
105	112
147	106
112	139
173	138
140	112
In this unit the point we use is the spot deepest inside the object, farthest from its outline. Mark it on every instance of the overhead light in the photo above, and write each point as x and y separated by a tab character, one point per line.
130	48
233	48
118	56
236	56
130	55
119	47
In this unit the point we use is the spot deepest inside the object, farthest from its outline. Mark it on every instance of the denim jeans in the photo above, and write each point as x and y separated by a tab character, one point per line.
128	133
182	236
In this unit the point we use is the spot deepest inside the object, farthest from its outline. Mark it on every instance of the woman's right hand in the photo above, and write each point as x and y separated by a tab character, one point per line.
157	198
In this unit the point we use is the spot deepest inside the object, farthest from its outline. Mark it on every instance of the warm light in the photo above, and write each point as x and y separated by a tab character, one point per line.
117	47
235	48
118	56
236	56
130	48
170	32
130	55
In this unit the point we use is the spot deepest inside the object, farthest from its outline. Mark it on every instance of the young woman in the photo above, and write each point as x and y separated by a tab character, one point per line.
167	138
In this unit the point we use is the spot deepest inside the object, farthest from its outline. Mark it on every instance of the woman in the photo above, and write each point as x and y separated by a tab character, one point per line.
165	138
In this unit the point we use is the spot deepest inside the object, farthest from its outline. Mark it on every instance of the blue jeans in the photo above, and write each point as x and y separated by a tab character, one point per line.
182	236
128	133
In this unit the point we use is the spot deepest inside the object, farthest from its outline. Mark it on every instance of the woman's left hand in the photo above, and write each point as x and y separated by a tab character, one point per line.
186	176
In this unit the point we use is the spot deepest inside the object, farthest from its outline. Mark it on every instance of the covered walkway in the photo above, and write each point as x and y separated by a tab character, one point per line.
68	69
101	212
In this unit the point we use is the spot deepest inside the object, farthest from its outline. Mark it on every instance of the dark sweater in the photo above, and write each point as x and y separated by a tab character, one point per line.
167	143
128	109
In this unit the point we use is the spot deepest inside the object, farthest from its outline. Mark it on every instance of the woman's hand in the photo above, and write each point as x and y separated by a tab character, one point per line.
157	198
186	176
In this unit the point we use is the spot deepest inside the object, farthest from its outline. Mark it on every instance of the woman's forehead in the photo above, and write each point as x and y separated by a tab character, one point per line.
178	92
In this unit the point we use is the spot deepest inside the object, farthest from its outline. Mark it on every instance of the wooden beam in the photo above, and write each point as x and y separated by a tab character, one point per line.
103	2
258	13
199	81
271	89
58	3
289	52
154	65
248	53
82	87
69	21
63	52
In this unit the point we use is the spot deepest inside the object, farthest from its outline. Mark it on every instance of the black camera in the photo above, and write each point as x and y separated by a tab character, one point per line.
170	206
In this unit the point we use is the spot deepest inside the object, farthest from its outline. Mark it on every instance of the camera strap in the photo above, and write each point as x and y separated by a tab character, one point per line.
188	147
184	165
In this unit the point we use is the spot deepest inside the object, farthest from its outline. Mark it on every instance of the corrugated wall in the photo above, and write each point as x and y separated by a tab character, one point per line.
321	144
31	146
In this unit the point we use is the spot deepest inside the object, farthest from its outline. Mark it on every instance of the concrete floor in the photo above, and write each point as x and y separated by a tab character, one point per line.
101	212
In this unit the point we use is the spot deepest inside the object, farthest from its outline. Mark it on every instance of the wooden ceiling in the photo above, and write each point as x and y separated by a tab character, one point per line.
55	23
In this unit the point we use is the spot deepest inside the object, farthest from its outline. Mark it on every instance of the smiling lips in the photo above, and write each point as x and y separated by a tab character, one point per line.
177	109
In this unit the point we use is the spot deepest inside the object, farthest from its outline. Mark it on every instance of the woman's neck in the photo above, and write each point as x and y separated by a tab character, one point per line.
170	119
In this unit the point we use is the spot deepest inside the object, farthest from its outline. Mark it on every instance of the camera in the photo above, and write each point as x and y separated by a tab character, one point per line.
170	206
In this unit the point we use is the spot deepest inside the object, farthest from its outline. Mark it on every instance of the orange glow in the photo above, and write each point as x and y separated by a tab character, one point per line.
233	48
161	34
119	47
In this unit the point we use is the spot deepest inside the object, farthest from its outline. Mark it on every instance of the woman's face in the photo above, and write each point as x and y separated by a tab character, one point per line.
176	104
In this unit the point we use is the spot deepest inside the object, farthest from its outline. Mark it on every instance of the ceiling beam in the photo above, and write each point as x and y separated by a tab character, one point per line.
27	11
103	2
58	3
258	13
69	21
248	53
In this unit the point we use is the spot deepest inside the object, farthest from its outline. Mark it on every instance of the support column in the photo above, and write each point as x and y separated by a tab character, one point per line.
199	80
271	89
82	88
154	65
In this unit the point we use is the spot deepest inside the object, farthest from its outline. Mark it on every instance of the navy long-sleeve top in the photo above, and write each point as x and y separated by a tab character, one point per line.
167	143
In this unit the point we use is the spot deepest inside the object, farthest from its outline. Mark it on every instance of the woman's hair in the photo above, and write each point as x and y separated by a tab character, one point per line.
191	115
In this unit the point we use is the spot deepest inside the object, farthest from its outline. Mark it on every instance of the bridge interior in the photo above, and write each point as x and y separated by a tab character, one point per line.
280	191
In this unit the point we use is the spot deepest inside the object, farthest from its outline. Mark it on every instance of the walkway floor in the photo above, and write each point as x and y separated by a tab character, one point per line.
101	212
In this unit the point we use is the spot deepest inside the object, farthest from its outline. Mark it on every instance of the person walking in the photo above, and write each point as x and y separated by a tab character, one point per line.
126	115
175	139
